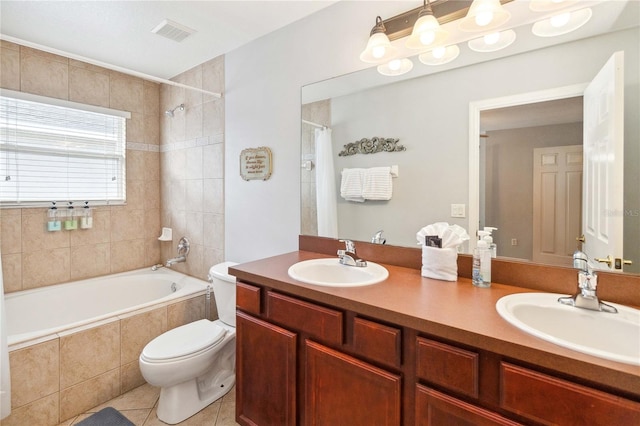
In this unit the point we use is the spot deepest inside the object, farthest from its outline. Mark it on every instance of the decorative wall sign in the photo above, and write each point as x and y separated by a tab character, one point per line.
255	163
371	146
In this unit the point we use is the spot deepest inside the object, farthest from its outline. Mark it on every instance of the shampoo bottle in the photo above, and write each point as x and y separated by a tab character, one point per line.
493	247
481	276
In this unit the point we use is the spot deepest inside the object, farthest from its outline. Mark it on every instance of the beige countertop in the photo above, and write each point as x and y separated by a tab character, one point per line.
456	311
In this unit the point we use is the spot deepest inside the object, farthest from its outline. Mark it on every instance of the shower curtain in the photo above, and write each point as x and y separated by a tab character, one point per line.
5	378
326	194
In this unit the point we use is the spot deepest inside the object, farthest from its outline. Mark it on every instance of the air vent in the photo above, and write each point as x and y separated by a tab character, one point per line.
172	30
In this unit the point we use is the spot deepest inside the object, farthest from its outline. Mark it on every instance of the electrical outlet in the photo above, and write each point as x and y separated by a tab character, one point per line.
514	241
458	210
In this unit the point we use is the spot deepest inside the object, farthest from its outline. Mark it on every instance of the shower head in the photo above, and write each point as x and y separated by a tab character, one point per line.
169	112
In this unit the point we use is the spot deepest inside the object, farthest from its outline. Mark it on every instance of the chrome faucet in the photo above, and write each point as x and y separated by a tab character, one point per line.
348	256
586	296
183	251
378	238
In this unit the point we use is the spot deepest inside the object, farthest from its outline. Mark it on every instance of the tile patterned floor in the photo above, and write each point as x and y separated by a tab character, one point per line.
139	406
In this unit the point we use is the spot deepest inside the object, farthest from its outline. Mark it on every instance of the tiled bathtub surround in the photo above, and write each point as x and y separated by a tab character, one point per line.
123	237
66	375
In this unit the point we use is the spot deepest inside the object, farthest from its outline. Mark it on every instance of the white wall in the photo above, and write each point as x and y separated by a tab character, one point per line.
263	81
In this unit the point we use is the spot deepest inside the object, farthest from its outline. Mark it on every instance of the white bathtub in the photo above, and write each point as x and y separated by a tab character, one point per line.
45	311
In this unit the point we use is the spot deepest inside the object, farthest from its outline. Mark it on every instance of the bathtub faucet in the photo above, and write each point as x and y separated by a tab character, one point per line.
183	251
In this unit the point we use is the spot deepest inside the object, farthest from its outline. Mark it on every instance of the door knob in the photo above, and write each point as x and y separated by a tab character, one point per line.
608	260
580	239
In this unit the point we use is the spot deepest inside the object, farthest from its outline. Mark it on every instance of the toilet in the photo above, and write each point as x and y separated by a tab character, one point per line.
194	364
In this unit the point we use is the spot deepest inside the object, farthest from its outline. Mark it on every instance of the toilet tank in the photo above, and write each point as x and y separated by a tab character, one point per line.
224	291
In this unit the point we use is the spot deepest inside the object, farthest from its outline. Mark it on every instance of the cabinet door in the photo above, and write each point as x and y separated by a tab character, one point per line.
434	408
266	373
342	390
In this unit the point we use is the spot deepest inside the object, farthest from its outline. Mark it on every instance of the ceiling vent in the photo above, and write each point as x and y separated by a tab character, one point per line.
172	30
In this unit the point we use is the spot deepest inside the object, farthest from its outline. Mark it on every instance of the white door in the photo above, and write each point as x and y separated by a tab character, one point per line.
557	203
603	165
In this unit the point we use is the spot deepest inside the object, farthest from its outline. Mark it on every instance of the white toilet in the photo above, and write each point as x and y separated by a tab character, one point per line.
194	364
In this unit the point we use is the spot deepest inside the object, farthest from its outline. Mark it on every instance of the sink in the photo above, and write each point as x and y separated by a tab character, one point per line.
330	272
610	336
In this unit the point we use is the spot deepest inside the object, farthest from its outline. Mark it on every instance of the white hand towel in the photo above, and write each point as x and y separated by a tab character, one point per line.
377	183
351	185
440	263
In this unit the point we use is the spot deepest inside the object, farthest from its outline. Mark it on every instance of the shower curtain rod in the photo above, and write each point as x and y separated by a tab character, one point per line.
106	65
322	126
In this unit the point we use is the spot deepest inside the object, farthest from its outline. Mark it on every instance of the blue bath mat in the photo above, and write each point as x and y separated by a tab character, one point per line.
106	417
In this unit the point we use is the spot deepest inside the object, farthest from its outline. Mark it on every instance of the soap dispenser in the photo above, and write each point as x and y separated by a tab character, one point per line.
481	276
71	221
53	222
493	247
86	220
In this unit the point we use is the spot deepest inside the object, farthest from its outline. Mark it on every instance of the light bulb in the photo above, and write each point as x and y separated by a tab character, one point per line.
484	18
490	39
439	52
561	20
395	65
427	37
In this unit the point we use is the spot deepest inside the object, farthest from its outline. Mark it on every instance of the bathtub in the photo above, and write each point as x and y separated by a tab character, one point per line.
45	311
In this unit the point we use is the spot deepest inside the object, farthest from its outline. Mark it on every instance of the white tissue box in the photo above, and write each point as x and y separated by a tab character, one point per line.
440	263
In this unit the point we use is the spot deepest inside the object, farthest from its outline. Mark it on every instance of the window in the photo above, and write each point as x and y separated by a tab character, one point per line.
54	150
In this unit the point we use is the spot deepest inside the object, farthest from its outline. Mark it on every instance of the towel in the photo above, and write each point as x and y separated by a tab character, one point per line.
453	236
377	184
440	263
351	185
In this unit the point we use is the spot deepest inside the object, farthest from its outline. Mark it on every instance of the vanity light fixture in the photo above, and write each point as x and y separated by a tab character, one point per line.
549	5
396	67
379	47
440	55
427	30
493	42
484	15
562	23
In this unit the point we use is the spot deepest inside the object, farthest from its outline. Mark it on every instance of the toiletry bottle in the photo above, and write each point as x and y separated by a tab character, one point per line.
481	276
53	224
86	221
489	239
71	221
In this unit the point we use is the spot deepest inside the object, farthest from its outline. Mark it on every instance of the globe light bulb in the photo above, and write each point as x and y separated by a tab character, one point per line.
439	52
378	52
427	37
561	20
395	65
490	39
484	18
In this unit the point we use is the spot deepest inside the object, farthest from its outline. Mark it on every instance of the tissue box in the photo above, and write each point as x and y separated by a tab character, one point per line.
440	263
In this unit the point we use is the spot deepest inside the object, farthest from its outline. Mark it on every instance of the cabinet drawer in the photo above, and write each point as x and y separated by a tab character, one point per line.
448	366
377	342
248	297
550	400
435	408
321	323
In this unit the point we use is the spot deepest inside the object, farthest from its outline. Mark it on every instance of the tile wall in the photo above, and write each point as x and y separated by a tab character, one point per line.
192	163
123	237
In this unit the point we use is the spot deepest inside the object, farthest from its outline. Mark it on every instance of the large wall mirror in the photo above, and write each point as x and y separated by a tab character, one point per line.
429	110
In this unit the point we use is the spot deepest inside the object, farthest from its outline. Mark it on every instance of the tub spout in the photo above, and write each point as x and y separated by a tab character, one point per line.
175	260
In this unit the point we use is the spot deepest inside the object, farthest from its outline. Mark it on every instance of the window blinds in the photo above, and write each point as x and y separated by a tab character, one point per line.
50	151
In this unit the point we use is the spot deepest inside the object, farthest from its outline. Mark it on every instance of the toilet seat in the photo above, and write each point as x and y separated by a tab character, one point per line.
184	341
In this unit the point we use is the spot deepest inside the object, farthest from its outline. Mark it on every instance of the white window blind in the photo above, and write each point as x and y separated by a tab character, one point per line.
53	150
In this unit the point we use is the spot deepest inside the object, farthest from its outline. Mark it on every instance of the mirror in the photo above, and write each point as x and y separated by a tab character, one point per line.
428	111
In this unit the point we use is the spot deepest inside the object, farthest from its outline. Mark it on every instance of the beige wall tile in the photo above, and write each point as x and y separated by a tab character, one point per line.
193	201
151	170
194	265
43	412
213	166
45	267
135	194
88	86
152	226
35	235
213	77
11	228
135	164
139	330
12	272
9	68
151	129
213	230
152	251
83	396
151	194
127	255
34	372
213	196
135	128
99	233
131	377
184	312
151	93
194	163
193	78
194	122
213	117
126	224
90	261
45	75
126	93
89	353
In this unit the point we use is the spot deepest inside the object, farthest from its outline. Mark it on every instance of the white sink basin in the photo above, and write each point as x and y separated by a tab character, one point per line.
329	272
611	336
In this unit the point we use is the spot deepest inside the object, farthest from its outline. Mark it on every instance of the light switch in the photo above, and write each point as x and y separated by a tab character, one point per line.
458	210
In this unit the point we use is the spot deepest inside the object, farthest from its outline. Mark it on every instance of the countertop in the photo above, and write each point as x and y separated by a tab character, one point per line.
455	311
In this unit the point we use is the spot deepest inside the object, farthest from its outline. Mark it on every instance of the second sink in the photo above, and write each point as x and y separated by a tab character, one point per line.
329	272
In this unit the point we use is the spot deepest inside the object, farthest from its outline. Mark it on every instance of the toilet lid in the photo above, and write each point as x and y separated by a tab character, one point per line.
184	340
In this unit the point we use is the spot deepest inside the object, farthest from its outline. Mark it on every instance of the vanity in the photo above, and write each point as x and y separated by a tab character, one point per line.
412	350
